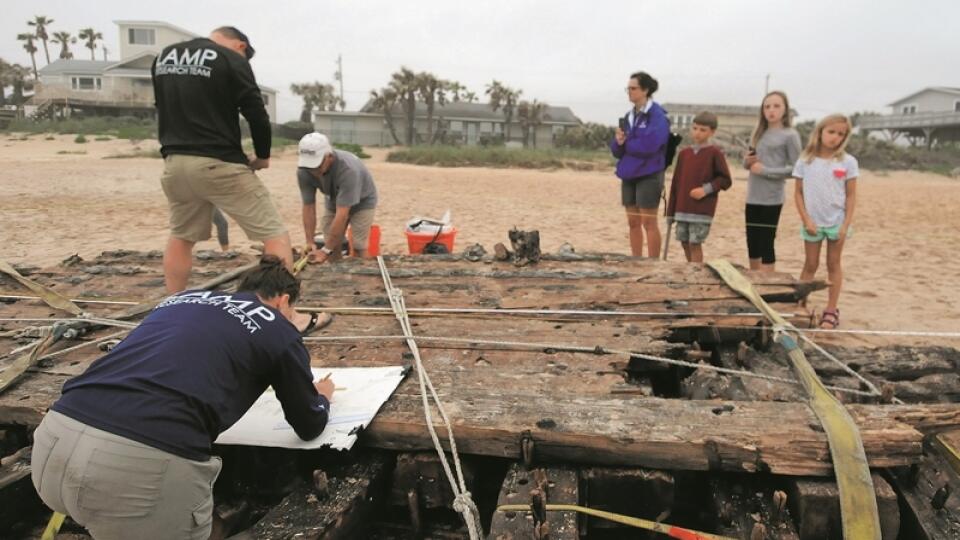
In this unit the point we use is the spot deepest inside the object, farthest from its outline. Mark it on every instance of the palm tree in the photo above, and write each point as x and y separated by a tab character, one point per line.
503	97
404	84
383	101
91	36
64	39
30	47
315	95
433	92
469	97
42	23
4	70
530	116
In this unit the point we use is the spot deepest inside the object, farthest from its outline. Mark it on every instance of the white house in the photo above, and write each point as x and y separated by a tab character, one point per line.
121	86
927	115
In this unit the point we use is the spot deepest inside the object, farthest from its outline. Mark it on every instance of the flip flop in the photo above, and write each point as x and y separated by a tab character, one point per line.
316	323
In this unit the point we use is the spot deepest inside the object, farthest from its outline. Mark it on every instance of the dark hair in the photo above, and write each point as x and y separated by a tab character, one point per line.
233	32
646	82
706	118
270	278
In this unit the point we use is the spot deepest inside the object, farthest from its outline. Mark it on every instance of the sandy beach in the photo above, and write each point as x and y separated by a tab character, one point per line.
901	269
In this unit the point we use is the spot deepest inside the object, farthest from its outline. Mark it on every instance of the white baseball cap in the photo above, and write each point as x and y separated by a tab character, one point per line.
313	148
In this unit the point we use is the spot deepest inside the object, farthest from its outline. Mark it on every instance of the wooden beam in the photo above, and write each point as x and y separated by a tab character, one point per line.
815	505
342	509
782	438
555	485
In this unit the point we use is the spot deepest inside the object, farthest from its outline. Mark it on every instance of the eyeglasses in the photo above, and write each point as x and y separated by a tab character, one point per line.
629	88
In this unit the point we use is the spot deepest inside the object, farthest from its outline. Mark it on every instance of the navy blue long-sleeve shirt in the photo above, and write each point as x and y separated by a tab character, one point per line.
193	367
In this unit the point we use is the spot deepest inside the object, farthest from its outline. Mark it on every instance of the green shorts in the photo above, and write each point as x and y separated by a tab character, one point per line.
823	233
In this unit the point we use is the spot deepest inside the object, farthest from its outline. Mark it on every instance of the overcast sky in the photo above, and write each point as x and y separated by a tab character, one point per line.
828	55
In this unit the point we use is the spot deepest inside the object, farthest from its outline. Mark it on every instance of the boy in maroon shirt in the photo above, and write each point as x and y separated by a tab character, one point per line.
701	173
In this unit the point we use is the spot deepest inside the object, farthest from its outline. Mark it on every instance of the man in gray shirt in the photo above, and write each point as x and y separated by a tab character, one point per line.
349	192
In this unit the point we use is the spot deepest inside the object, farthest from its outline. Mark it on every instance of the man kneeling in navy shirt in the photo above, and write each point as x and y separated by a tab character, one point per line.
126	450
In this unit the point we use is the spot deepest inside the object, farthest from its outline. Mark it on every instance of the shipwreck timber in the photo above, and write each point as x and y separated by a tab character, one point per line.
614	375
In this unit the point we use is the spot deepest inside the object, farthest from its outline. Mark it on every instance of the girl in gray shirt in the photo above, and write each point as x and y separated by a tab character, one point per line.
774	148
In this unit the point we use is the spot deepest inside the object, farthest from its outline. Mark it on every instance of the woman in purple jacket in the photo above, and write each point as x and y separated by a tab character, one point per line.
640	145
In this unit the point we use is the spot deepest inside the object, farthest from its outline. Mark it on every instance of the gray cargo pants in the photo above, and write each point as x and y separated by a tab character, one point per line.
118	488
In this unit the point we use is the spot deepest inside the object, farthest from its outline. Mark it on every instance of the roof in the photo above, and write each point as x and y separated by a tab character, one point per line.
480	111
115	69
750	110
80	67
157	23
943	89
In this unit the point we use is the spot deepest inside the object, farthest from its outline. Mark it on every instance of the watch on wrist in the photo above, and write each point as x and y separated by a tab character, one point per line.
326	250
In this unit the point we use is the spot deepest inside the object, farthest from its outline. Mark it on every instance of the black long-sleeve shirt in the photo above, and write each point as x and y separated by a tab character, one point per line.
199	88
194	366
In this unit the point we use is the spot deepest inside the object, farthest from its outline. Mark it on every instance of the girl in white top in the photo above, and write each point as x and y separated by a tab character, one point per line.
826	195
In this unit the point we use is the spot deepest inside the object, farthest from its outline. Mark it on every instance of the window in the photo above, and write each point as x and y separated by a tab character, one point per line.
909	109
956	106
266	98
85	83
142	36
486	127
456	126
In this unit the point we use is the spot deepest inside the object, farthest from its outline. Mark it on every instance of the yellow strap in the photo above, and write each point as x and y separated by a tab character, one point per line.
671	530
858	502
299	265
53	526
52	298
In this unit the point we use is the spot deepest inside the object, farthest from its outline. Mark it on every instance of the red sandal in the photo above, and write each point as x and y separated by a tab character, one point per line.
830	320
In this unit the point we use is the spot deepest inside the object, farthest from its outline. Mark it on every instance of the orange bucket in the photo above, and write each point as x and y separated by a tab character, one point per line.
373	242
417	241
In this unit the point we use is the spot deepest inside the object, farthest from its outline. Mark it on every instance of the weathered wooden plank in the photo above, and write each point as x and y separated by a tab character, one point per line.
17	495
641	493
343	508
782	438
815	505
555	485
929	491
746	509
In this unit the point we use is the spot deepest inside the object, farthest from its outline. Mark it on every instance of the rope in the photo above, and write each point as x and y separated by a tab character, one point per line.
84	344
589	350
463	502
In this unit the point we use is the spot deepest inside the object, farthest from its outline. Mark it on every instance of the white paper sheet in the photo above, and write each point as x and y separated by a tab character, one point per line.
360	394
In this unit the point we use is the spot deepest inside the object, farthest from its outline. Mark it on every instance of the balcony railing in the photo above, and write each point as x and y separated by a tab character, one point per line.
910	121
104	98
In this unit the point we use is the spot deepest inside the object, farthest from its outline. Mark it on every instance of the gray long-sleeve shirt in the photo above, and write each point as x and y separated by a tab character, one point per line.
778	150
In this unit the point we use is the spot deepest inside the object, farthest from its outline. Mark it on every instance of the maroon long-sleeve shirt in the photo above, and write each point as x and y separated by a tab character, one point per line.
706	168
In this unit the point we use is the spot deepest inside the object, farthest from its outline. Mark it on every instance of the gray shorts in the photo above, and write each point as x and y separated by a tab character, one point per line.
642	192
118	488
692	232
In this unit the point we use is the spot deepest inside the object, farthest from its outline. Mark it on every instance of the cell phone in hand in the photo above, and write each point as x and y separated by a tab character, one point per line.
623	124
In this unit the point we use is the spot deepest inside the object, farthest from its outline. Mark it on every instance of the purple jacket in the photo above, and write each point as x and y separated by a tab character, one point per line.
643	151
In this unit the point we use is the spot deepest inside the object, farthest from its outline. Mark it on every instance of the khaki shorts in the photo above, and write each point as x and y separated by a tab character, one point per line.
118	488
194	185
359	221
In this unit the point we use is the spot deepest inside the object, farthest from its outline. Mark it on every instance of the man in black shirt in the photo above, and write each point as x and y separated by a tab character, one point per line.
200	86
126	450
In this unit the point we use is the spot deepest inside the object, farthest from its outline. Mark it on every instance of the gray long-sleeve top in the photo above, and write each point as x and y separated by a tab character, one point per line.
778	150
